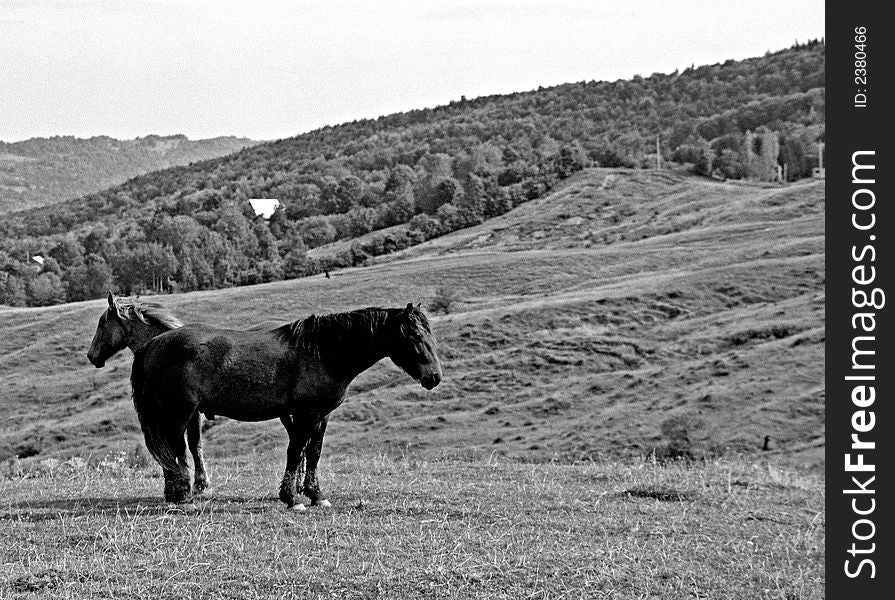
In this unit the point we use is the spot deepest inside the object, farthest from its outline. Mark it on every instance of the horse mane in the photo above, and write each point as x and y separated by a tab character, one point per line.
317	332
143	311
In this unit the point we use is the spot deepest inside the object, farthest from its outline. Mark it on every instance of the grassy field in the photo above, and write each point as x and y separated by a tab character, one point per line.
624	313
420	528
627	317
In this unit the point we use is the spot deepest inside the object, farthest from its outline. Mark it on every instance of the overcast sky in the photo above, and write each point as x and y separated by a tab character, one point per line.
267	70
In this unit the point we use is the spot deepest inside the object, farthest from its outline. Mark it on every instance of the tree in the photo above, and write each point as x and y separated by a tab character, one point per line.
68	252
90	280
484	159
400	206
361	220
315	231
304	202
436	168
730	165
96	240
144	266
267	243
569	160
349	194
278	223
446	191
45	289
498	205
400	179
12	290
194	272
473	194
231	223
426	225
178	232
449	215
699	156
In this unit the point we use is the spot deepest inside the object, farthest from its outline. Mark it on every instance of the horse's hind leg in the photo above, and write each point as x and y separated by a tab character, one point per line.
177	481
194	440
297	442
312	457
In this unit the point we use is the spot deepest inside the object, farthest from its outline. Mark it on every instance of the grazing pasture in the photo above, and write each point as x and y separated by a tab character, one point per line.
627	312
408	527
592	336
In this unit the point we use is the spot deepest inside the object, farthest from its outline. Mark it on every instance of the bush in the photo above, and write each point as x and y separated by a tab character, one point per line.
443	300
426	225
677	431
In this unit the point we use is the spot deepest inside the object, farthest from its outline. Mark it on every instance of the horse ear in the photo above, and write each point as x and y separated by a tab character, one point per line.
111	300
419	306
409	307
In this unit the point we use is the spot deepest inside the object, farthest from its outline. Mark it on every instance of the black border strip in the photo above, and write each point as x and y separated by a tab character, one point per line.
854	126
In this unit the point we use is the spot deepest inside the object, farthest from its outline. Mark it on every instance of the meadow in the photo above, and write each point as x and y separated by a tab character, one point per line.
407	527
632	407
627	311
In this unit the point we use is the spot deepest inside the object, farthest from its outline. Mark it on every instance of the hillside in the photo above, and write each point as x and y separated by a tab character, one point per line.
44	171
411	177
627	312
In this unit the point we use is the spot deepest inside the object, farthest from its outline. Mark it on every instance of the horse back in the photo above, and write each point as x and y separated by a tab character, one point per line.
244	375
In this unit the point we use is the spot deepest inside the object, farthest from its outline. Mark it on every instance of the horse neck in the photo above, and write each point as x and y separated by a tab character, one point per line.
143	332
361	345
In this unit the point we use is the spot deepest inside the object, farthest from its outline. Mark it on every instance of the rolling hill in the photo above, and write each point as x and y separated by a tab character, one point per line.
43	171
629	311
426	172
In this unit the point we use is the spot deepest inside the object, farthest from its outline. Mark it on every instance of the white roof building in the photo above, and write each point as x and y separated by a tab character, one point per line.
264	206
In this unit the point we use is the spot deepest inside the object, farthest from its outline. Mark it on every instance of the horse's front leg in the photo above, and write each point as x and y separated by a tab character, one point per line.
194	440
294	453
312	457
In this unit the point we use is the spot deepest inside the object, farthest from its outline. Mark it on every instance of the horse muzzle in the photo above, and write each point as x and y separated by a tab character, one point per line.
430	380
96	362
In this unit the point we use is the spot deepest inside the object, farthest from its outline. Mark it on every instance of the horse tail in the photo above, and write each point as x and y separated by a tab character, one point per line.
150	412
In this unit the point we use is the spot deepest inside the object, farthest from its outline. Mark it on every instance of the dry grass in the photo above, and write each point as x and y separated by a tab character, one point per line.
410	528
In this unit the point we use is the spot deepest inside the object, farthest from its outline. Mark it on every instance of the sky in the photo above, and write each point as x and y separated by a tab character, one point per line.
275	69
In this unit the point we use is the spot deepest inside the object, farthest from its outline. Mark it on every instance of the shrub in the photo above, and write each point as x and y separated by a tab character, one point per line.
444	299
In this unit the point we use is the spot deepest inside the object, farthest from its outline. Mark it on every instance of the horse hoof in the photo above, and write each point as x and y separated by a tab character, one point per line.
179	499
323	503
298	507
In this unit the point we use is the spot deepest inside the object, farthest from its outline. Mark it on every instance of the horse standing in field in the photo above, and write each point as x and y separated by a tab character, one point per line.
298	373
132	323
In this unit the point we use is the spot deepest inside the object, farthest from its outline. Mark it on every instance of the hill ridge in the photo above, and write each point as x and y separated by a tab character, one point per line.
377	186
42	171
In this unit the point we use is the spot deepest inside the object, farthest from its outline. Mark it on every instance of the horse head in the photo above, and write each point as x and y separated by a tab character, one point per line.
414	348
111	334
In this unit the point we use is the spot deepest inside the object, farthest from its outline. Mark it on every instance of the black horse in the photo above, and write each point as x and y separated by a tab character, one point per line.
298	373
131	324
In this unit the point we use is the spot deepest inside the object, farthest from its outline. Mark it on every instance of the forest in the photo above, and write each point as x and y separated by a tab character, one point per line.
414	175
